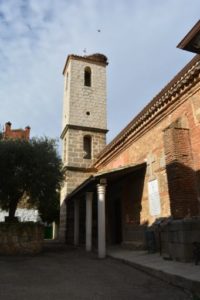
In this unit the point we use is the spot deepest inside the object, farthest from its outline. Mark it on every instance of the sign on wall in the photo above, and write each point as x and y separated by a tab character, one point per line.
154	198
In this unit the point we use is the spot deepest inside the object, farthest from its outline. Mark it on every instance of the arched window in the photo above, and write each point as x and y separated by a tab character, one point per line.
87	76
87	146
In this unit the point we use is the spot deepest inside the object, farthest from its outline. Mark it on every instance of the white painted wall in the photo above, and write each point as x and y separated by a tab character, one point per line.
24	215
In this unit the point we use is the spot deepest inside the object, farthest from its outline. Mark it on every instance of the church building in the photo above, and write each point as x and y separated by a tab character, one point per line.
150	172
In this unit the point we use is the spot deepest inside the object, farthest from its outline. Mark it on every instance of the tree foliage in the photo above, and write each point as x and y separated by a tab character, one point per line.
30	169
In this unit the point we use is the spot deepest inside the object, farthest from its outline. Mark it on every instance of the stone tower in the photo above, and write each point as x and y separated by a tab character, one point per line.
84	124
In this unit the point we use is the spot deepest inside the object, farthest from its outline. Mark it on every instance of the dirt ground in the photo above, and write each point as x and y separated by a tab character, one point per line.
74	274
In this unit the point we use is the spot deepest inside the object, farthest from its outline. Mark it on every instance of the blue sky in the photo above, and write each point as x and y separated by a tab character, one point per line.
139	37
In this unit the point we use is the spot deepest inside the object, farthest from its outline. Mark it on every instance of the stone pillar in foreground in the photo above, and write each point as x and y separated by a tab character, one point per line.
101	192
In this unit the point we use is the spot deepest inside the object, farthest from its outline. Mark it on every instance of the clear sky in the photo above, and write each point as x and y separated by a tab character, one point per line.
139	37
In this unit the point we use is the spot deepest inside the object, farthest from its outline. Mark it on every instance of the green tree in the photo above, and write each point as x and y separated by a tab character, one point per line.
31	170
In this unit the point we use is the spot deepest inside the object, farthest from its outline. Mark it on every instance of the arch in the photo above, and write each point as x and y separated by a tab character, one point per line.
87	76
87	146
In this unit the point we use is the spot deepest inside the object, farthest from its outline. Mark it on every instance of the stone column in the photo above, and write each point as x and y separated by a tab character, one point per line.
88	225
101	191
76	222
55	231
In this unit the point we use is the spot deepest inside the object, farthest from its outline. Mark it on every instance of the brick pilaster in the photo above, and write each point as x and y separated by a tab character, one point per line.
180	173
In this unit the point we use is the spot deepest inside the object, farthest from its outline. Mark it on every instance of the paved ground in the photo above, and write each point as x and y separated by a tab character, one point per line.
74	274
183	275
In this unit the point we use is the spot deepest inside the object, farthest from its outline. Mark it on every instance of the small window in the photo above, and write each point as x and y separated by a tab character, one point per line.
87	147
87	76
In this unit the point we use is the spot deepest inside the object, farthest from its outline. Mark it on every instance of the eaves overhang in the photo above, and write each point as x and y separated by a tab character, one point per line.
109	175
191	42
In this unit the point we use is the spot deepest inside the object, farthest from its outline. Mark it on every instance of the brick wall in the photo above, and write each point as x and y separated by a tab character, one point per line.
180	172
150	146
16	133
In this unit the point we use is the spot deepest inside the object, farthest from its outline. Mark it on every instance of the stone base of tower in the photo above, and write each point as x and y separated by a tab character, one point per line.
73	180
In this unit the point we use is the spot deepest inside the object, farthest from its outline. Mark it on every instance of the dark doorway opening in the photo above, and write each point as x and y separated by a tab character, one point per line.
116	221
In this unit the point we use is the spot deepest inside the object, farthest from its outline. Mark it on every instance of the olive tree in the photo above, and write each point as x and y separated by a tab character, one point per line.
30	170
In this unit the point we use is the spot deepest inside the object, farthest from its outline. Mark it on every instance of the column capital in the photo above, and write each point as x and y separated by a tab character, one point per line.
101	188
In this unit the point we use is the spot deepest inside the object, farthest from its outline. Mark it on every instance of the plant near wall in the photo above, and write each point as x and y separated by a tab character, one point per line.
30	169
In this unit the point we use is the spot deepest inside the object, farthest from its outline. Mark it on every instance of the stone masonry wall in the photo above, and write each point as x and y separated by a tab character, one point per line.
84	107
74	158
21	238
80	99
75	152
177	238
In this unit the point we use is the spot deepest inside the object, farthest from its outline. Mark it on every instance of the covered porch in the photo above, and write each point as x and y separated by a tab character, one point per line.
105	209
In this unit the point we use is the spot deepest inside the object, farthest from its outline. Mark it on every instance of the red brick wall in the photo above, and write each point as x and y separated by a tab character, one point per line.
150	147
16	133
180	172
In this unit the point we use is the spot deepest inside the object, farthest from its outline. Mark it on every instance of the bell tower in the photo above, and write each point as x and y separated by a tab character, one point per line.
84	124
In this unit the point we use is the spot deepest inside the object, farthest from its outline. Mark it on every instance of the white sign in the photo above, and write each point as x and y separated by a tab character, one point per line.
154	198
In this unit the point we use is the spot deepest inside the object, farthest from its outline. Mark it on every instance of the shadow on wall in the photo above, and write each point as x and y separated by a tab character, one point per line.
175	237
183	183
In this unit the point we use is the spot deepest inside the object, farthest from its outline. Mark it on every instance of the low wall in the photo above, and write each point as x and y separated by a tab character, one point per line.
176	238
21	238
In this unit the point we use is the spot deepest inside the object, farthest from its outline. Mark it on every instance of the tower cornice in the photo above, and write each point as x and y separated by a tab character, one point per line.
97	59
83	128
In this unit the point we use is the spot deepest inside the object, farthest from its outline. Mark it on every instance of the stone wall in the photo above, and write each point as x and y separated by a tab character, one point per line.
80	99
21	238
75	150
84	115
175	239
